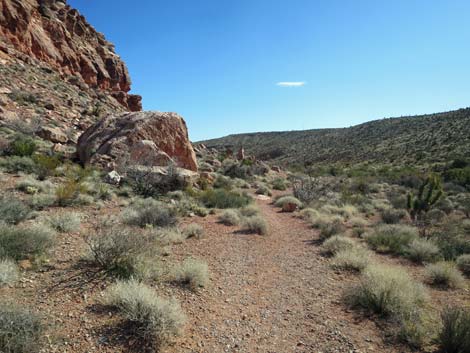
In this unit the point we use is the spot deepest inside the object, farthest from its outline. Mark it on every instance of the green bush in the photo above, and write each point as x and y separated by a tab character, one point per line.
463	263
41	201
118	250
327	230
452	240
230	218
337	243
392	238
194	230
249	211
393	216
221	198
263	190
65	222
192	273
15	164
352	259
279	184
152	318
423	250
22	146
9	272
68	193
46	165
287	199
25	242
149	212
444	274
454	336
13	211
30	185
255	224
21	331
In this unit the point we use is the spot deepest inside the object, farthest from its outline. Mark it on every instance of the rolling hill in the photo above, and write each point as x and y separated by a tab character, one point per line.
422	139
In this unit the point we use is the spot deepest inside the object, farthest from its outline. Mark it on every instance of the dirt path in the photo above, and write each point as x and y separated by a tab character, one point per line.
273	293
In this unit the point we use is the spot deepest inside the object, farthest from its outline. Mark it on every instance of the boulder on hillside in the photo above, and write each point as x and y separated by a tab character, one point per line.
138	138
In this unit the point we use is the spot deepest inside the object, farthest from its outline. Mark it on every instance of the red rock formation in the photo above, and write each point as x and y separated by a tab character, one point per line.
126	139
54	33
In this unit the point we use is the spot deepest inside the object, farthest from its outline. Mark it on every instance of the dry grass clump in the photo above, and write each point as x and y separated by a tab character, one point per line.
24	242
444	274
423	250
263	190
168	236
393	216
392	238
65	222
309	214
153	319
454	336
9	272
288	199
30	185
192	273
149	212
255	224
354	259
193	230
249	211
230	218
327	230
463	263
346	211
13	211
337	243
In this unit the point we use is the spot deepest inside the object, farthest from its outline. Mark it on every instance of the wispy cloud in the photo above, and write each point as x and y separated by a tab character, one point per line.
291	84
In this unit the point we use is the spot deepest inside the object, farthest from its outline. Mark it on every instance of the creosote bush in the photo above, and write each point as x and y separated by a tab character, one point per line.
21	242
194	230
444	274
423	250
392	238
230	218
65	222
9	272
153	319
454	336
13	211
192	273
463	263
149	212
255	224
21	331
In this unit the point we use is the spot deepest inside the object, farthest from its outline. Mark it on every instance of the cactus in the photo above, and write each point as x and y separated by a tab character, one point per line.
429	193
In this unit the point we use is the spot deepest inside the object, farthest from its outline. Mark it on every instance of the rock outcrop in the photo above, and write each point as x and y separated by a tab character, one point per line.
53	33
140	138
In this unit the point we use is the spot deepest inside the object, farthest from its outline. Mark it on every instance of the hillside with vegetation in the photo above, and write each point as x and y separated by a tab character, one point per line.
433	138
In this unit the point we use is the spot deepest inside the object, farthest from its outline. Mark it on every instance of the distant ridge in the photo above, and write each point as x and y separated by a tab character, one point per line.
420	139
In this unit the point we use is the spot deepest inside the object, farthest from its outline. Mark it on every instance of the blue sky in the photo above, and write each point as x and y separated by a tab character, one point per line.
218	62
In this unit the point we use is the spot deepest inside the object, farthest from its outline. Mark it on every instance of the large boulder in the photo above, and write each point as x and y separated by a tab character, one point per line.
139	138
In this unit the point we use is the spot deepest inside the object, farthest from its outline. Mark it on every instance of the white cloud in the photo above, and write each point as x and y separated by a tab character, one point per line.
291	84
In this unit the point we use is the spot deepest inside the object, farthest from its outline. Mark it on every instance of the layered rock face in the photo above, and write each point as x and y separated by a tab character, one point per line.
142	138
52	32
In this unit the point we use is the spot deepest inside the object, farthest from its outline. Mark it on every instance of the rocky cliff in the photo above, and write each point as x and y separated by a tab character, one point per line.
53	33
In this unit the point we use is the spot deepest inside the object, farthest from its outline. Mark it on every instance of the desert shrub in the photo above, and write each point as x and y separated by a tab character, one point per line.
102	191
118	250
351	259
263	190
309	214
9	272
306	189
22	146
287	199
221	198
230	218
279	184
387	291
171	235
13	211
15	164
46	165
194	230
68	193
249	211
21	243
346	211
393	216
255	224
423	250
30	185
327	230
152	318
337	243
42	201
454	336
21	331
445	205
234	169
149	212
192	273
463	263
223	182
444	274
391	238
65	222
